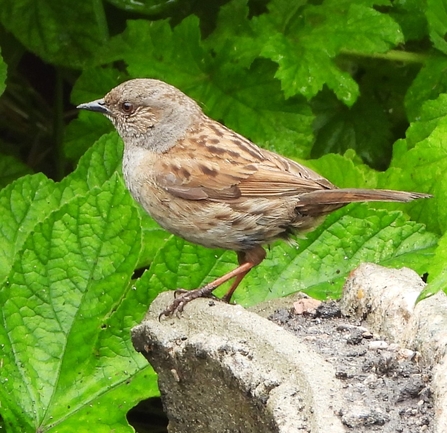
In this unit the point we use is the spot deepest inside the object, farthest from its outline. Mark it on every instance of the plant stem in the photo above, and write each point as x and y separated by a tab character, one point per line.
392	55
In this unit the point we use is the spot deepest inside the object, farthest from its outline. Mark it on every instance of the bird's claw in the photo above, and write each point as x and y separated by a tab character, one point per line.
183	297
180	292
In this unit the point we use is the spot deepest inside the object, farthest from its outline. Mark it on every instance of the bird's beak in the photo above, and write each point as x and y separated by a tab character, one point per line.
99	105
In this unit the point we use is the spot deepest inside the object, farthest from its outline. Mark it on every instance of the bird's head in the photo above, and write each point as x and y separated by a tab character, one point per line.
146	112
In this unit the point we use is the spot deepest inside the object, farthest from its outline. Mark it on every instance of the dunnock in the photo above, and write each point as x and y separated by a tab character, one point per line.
211	186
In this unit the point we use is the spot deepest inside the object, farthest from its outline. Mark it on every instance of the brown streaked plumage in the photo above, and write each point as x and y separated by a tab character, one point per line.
211	186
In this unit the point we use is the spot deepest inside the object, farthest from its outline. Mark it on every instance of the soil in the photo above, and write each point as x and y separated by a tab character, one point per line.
385	387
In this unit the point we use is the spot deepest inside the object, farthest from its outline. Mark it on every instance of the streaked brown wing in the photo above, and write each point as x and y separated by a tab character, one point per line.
200	178
228	166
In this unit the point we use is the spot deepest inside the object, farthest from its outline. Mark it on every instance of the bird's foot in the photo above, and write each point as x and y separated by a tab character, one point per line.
183	297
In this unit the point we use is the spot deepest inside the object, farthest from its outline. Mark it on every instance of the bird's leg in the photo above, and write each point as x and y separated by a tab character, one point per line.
247	260
255	256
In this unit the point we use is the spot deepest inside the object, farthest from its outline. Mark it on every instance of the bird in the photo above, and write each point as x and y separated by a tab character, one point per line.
210	185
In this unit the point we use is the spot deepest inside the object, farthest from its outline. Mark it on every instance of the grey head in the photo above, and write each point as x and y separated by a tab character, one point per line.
147	113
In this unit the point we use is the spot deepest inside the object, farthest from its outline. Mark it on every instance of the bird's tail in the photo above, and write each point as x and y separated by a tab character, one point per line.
349	195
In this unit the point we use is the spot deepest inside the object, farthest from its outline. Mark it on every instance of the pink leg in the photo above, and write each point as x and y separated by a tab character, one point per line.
247	260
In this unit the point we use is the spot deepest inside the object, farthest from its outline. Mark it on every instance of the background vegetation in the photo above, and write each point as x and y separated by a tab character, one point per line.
354	87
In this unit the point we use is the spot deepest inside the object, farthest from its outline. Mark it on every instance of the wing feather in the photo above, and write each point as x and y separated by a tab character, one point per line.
227	166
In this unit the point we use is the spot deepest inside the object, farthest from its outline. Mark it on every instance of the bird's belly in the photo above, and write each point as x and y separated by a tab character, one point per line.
232	226
211	225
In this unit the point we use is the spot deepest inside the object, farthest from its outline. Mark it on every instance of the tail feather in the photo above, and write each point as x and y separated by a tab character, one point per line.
349	195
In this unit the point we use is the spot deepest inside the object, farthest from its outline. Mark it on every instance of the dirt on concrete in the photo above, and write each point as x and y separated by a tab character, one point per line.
385	387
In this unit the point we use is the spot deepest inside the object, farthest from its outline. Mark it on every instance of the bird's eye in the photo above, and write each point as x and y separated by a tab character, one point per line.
127	107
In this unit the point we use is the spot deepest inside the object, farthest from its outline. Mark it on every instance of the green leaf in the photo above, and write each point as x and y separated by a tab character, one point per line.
422	167
11	168
23	204
97	165
56	31
410	15
436	13
305	51
93	84
438	270
434	114
233	38
176	52
30	199
180	264
429	84
345	171
59	303
364	128
82	132
434	286
154	237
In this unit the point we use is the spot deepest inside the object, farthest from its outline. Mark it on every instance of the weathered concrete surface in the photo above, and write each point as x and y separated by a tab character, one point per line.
224	369
386	298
